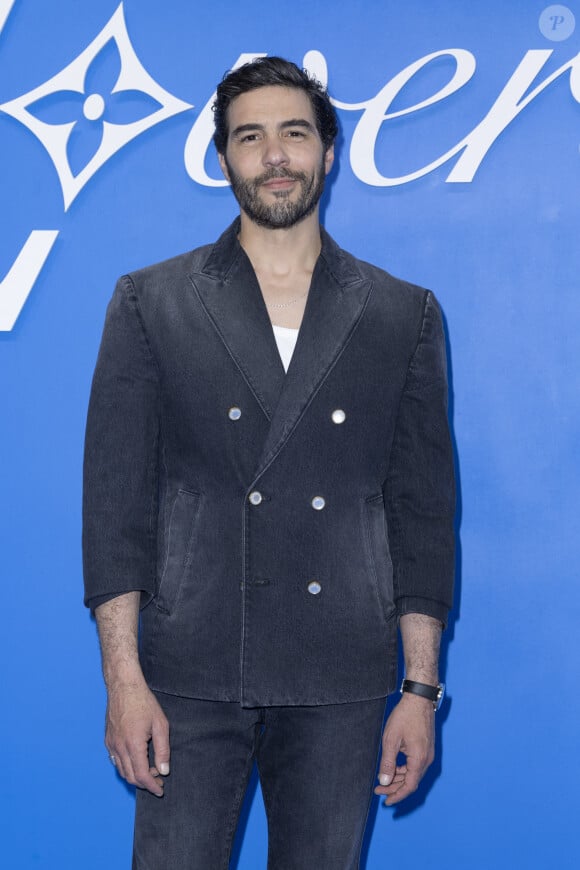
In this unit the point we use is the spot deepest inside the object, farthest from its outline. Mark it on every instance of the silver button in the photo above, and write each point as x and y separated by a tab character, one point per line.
338	416
314	588
318	502
255	497
234	413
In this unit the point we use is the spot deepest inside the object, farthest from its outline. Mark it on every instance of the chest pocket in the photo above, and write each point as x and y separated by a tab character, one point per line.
180	547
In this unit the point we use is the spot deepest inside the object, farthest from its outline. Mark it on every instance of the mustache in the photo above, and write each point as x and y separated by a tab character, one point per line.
273	173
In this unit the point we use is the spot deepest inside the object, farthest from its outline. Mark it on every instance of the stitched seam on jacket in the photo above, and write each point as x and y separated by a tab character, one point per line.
393	505
152	521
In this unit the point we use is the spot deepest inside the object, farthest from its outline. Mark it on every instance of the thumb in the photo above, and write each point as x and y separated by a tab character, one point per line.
160	739
388	764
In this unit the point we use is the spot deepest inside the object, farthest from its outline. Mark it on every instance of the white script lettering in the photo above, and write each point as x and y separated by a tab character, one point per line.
201	134
5	8
471	149
19	281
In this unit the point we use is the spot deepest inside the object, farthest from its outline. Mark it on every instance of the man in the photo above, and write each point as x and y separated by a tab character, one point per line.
274	528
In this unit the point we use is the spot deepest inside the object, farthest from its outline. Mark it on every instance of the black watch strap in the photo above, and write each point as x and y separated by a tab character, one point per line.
432	693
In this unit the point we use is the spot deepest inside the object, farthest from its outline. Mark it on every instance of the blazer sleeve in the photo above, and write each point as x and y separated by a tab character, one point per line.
420	486
121	456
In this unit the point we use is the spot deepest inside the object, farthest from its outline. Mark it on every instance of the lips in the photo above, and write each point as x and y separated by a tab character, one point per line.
279	183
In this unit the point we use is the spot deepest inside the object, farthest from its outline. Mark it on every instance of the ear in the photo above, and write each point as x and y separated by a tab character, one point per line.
328	159
223	165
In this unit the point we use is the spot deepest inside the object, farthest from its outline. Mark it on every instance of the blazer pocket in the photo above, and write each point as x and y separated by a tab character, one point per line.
179	550
379	556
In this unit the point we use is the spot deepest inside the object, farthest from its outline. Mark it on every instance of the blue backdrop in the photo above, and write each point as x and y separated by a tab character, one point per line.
459	169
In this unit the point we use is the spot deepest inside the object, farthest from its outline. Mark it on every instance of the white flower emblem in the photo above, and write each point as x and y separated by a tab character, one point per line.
94	107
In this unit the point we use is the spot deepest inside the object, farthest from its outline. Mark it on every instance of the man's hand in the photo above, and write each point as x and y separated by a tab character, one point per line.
134	717
410	730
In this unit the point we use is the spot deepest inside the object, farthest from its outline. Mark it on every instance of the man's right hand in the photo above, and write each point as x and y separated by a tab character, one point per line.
134	718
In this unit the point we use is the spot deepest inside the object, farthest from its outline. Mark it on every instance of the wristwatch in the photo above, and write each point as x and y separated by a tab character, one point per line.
433	693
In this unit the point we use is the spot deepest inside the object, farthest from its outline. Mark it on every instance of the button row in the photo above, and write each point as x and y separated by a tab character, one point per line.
256	498
338	416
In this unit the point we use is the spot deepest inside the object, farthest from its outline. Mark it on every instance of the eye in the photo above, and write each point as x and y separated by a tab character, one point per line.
296	134
249	137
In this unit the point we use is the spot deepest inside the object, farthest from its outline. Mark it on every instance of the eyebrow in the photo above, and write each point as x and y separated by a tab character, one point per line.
293	122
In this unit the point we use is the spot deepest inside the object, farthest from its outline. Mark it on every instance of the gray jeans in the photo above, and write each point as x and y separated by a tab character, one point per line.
316	767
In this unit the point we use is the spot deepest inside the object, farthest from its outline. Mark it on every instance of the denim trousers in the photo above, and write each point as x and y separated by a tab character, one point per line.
316	767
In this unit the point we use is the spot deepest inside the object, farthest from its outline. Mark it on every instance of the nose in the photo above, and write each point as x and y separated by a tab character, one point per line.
274	152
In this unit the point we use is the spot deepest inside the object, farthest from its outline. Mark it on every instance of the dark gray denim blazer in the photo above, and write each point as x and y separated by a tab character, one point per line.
203	459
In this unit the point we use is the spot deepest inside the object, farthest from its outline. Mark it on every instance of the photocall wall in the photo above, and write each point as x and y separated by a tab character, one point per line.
458	169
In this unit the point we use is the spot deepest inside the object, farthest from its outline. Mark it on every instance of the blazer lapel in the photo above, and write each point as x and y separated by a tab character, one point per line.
229	291
336	301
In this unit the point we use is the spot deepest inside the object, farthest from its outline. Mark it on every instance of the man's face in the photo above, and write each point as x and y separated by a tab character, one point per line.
274	158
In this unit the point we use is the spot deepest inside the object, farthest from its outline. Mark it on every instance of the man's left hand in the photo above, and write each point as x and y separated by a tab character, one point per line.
410	730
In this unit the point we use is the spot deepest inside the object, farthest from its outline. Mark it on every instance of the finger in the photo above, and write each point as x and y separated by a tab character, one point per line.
132	763
158	778
396	793
143	778
124	767
416	766
160	738
396	783
399	795
388	765
397	778
119	761
392	788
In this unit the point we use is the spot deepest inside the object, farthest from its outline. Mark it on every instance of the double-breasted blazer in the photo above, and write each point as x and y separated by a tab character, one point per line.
276	524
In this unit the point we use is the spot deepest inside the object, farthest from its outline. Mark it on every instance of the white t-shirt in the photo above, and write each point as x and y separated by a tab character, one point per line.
286	341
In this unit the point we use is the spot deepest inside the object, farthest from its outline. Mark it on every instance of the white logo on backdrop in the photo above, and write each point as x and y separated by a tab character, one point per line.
105	98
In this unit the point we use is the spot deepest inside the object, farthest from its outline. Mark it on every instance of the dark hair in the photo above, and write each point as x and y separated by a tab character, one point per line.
264	72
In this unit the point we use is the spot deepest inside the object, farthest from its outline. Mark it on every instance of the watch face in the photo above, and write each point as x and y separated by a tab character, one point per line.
440	695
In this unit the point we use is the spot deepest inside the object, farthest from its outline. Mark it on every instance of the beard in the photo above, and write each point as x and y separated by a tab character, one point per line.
284	212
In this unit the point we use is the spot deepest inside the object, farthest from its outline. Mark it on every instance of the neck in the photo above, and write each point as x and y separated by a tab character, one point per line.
280	252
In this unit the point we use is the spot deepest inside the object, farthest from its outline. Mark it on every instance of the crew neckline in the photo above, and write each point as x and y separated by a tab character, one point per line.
285	328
